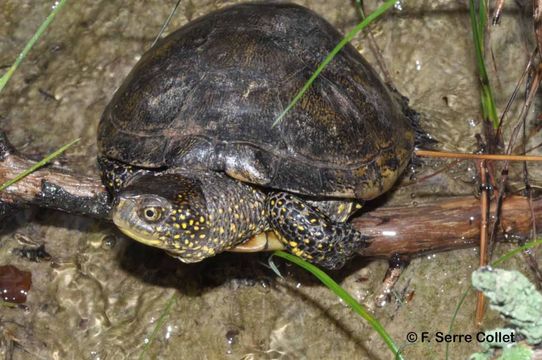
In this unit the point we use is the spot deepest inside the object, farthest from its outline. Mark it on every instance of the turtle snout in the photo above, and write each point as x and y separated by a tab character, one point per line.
127	217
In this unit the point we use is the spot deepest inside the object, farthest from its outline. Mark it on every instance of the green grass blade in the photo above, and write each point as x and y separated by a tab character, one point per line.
37	165
478	24
9	73
508	255
454	317
159	323
166	23
369	19
346	297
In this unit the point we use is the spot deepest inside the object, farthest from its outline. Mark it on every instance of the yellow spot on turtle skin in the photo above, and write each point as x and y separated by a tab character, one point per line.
212	251
298	252
186	242
202	236
306	241
359	206
307	256
221	230
174	212
201	219
163	238
196	228
319	246
300	228
233	228
313	220
192	236
221	211
173	218
177	237
236	206
340	209
273	213
293	244
280	203
176	226
215	241
184	225
191	222
182	217
110	184
236	215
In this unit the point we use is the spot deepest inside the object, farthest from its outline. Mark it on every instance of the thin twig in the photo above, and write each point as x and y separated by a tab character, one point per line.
429	176
515	92
484	211
537	17
501	157
498	12
524	111
375	48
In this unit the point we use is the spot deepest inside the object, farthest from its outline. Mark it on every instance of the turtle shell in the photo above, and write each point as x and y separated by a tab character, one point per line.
207	95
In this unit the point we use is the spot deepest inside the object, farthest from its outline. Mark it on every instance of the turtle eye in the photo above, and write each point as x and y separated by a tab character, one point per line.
152	213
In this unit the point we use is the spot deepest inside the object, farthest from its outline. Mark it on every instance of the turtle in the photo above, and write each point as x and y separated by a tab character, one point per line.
189	151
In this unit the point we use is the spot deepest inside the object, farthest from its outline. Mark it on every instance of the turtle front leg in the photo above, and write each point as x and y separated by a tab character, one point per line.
310	234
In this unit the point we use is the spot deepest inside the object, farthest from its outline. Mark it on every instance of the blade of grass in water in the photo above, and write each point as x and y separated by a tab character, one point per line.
159	323
37	165
508	255
346	297
166	23
56	9
369	19
478	24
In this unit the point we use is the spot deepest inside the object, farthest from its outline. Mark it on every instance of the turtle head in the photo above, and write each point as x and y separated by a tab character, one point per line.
166	211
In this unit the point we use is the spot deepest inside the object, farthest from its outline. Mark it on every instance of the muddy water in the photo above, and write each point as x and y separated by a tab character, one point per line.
101	295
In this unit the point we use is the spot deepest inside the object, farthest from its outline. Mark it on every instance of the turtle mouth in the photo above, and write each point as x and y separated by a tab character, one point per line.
126	218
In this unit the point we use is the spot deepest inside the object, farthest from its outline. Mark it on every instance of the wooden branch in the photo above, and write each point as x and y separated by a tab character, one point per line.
444	225
49	187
